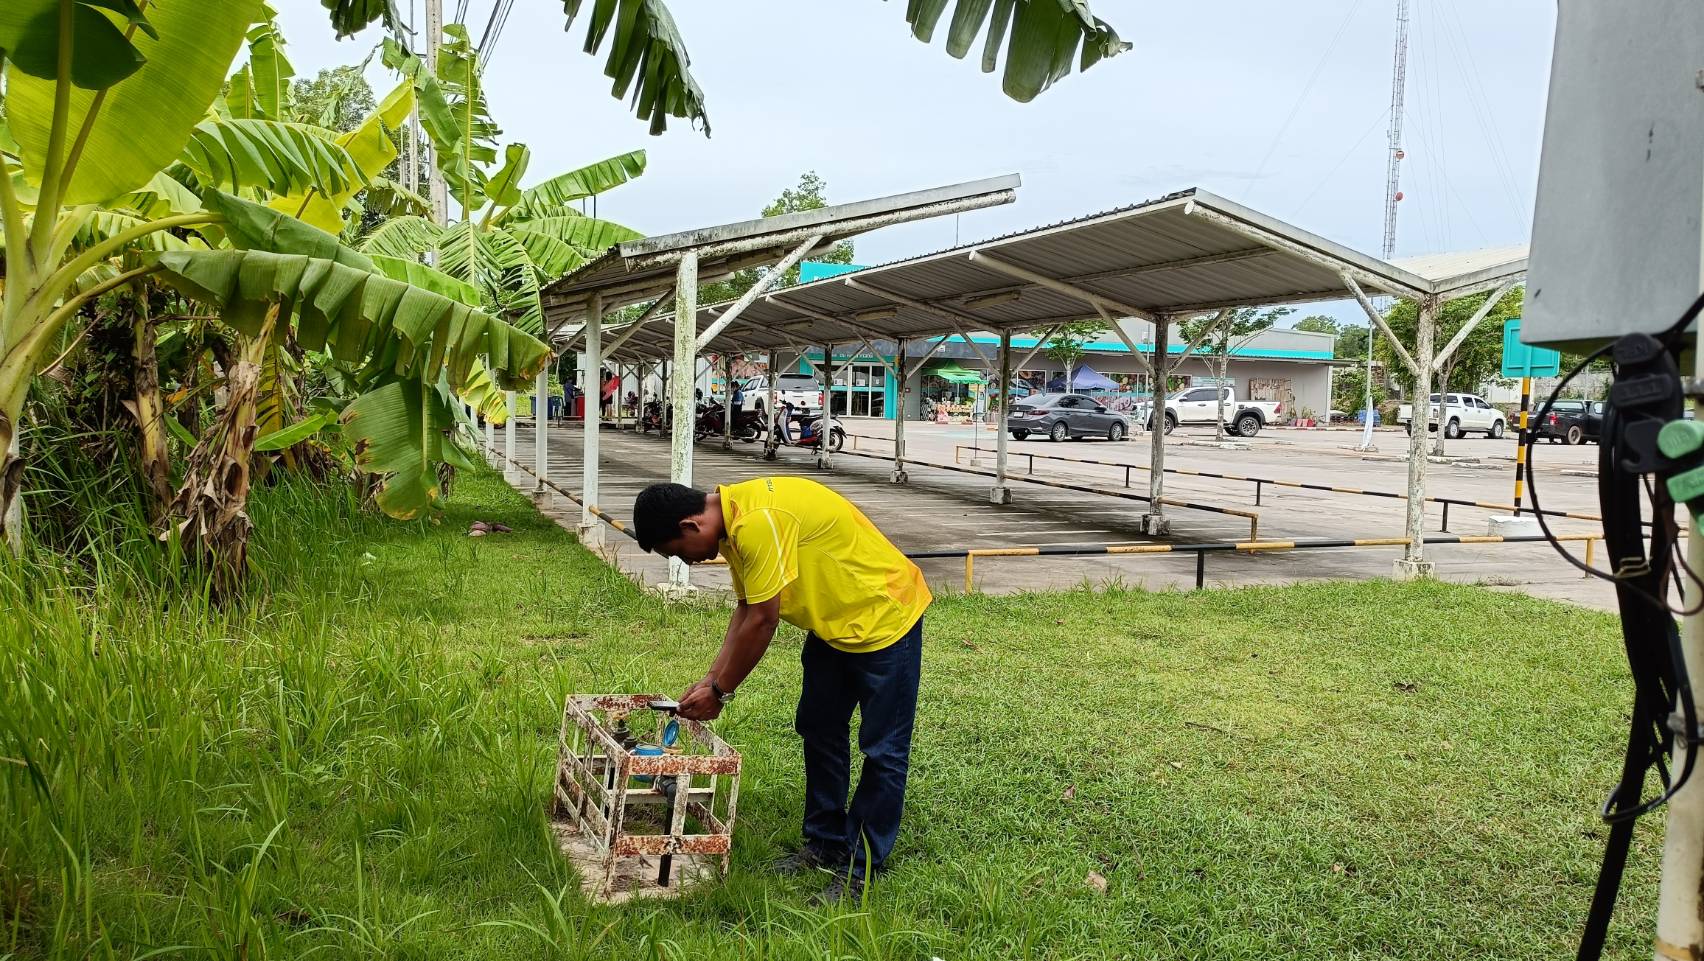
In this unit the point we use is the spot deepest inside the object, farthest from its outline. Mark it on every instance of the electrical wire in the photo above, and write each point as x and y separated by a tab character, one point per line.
493	31
1383	115
1303	96
1461	49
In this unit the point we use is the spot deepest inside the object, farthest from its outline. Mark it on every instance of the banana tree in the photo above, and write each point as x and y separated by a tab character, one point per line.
102	96
1041	40
510	241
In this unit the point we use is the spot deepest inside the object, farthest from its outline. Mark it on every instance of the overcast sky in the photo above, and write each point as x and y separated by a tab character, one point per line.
1282	107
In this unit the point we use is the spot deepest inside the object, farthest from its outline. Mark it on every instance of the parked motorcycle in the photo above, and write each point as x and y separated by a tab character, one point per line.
810	432
748	425
653	419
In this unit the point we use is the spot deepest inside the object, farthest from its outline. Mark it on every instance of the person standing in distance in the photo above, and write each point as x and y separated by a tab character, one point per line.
802	553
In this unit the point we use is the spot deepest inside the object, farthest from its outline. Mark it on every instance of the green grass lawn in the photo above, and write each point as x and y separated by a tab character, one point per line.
358	765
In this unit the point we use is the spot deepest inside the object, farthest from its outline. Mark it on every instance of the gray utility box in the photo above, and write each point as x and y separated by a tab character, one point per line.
1616	228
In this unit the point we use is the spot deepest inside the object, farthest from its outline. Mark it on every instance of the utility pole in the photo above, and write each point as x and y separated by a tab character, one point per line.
411	176
1393	195
435	177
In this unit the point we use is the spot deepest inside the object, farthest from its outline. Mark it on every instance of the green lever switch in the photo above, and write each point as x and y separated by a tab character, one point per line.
1678	440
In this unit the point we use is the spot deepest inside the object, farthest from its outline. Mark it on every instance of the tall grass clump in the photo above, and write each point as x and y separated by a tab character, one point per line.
141	726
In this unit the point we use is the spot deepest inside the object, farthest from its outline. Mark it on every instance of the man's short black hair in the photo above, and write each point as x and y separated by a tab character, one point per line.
659	509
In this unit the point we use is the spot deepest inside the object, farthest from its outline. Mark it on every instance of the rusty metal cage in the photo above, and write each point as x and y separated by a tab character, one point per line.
619	802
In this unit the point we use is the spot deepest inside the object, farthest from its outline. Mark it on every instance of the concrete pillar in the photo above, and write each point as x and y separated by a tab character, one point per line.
509	430
727	401
1154	522
1413	561
1002	493
899	475
591	529
541	431
685	365
490	440
825	460
772	429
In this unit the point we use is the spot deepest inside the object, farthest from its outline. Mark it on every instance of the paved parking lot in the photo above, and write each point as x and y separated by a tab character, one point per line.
941	509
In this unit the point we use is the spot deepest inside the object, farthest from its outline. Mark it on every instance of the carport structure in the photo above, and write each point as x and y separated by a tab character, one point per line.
1160	262
666	270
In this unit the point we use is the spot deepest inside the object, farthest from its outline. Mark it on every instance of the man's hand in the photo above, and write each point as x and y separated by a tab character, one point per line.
700	702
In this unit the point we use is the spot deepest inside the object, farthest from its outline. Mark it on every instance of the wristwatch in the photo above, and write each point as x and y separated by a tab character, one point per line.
721	695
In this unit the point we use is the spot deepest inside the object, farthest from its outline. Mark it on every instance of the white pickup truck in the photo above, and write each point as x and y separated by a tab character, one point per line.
1462	413
803	391
1200	405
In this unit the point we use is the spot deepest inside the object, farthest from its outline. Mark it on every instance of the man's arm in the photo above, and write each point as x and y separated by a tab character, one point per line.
750	630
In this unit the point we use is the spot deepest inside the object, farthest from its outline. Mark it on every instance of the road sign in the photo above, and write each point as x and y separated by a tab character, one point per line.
1521	360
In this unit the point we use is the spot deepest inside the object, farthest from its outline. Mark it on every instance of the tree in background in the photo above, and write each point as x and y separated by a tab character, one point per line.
1069	343
1351	339
338	98
1219	334
1349	389
1475	362
810	194
1351	343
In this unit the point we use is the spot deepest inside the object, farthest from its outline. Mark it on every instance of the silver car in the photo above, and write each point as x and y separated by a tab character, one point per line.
1065	416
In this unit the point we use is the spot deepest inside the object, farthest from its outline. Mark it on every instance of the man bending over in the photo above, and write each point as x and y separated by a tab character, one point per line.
801	553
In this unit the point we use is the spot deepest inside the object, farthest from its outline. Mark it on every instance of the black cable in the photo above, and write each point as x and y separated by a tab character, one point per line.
1604	440
1664	708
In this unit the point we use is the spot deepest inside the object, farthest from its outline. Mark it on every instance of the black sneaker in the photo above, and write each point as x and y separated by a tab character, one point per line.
845	889
808	858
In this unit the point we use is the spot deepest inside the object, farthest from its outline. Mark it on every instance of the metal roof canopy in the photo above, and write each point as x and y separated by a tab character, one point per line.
1185	253
644	270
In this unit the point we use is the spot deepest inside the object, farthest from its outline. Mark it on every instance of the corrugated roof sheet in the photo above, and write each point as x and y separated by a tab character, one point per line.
1182	253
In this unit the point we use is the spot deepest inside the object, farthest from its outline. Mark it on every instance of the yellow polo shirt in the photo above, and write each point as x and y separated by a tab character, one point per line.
835	573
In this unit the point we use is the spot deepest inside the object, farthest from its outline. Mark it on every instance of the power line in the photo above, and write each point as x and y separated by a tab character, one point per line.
1302	98
499	19
1462	52
1341	161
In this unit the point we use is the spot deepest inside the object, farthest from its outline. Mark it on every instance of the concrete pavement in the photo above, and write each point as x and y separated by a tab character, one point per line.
942	510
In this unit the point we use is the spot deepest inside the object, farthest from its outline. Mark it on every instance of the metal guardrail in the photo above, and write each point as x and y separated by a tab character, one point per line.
1251	546
1253	517
1260	483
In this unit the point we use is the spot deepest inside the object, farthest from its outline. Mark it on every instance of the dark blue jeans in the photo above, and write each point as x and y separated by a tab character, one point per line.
882	685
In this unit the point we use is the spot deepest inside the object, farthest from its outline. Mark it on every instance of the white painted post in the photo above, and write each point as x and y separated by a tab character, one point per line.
685	365
490	439
1367	428
541	429
509	430
727	400
824	460
771	431
591	529
1413	561
1002	492
1154	522
902	370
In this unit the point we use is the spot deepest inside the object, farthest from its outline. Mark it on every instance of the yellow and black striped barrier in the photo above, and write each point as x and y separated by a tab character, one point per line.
1239	547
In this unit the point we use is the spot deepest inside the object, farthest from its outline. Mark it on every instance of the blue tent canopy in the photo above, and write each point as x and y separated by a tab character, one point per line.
1086	378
